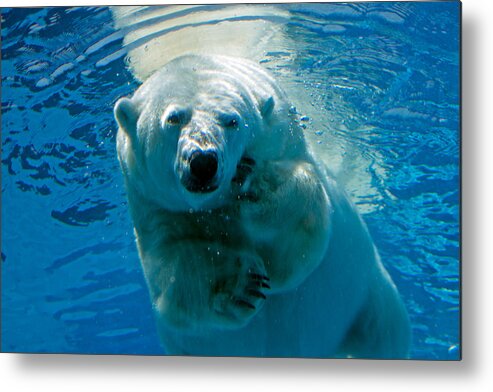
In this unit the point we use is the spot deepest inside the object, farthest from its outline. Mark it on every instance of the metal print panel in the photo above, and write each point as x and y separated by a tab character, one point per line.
268	180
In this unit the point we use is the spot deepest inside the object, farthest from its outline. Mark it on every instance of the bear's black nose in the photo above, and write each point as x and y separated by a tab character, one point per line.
203	168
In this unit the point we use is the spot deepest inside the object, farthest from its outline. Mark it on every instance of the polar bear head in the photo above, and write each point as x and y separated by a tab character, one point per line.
185	130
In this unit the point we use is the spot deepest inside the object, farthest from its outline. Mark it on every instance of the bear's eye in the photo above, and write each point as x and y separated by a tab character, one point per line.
174	118
230	121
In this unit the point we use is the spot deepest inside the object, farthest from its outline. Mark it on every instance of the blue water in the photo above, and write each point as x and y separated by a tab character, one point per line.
384	80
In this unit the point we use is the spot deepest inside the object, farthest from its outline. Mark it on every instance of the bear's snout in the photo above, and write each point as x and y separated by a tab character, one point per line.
203	167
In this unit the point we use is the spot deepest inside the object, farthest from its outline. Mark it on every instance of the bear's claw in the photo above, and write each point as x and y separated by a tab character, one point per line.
243	170
248	196
256	293
258	276
242	303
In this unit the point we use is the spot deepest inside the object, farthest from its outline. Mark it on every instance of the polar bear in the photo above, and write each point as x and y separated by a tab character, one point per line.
248	245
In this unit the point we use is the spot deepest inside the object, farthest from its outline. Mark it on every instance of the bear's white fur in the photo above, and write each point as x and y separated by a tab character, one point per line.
275	261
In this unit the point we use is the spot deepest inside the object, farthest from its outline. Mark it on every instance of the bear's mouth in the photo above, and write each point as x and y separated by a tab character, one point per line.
197	188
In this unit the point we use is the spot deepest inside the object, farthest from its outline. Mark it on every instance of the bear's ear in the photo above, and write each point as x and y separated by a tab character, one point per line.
266	106
126	116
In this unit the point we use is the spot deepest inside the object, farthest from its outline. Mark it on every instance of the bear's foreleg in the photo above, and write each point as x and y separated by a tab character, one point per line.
287	214
201	285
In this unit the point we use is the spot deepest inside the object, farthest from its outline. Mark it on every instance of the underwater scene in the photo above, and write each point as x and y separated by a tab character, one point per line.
189	180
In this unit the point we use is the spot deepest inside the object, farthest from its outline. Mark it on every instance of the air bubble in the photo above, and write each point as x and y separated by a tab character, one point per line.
453	350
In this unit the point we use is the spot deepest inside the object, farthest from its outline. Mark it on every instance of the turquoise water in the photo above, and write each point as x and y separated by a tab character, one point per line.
383	82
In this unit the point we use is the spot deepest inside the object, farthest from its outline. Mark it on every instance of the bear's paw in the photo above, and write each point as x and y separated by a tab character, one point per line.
240	290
